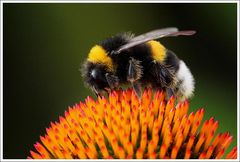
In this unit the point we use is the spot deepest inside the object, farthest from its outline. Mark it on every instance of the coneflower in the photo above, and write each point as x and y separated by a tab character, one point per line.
124	126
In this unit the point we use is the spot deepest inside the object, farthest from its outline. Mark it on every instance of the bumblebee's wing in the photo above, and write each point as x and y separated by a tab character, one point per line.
155	34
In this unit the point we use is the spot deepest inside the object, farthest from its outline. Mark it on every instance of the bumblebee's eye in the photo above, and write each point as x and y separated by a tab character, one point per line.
94	73
98	77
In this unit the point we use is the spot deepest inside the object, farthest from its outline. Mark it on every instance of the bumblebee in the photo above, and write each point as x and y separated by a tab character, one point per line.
140	61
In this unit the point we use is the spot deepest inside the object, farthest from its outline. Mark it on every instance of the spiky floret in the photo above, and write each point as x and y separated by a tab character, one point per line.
124	126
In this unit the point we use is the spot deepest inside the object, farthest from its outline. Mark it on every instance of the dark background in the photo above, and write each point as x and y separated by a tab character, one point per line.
45	45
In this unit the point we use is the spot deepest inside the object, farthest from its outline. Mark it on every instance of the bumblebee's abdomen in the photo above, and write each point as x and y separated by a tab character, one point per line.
158	51
172	60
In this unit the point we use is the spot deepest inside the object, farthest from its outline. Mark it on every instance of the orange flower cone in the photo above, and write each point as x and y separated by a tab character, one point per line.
125	127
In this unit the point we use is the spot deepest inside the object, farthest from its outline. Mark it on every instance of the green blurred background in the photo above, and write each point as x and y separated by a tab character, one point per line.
45	45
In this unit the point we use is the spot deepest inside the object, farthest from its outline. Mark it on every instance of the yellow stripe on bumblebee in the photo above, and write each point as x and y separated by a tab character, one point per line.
158	51
99	55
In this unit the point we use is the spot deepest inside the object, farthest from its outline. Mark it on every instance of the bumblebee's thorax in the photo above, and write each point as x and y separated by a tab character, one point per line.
98	55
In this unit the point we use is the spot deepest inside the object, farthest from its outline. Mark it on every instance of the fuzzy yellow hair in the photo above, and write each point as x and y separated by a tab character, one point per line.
158	51
99	55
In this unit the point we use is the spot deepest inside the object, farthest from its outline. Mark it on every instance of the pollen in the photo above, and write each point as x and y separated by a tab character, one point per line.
99	55
122	126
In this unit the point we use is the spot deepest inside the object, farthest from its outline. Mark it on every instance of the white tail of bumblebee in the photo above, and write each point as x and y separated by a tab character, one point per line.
185	82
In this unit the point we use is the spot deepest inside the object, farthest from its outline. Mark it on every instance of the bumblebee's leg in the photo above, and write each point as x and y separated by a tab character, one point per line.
137	88
134	74
112	80
162	75
162	78
97	92
169	92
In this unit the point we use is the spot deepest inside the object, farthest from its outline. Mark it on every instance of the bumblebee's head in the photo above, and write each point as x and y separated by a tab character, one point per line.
96	67
95	76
